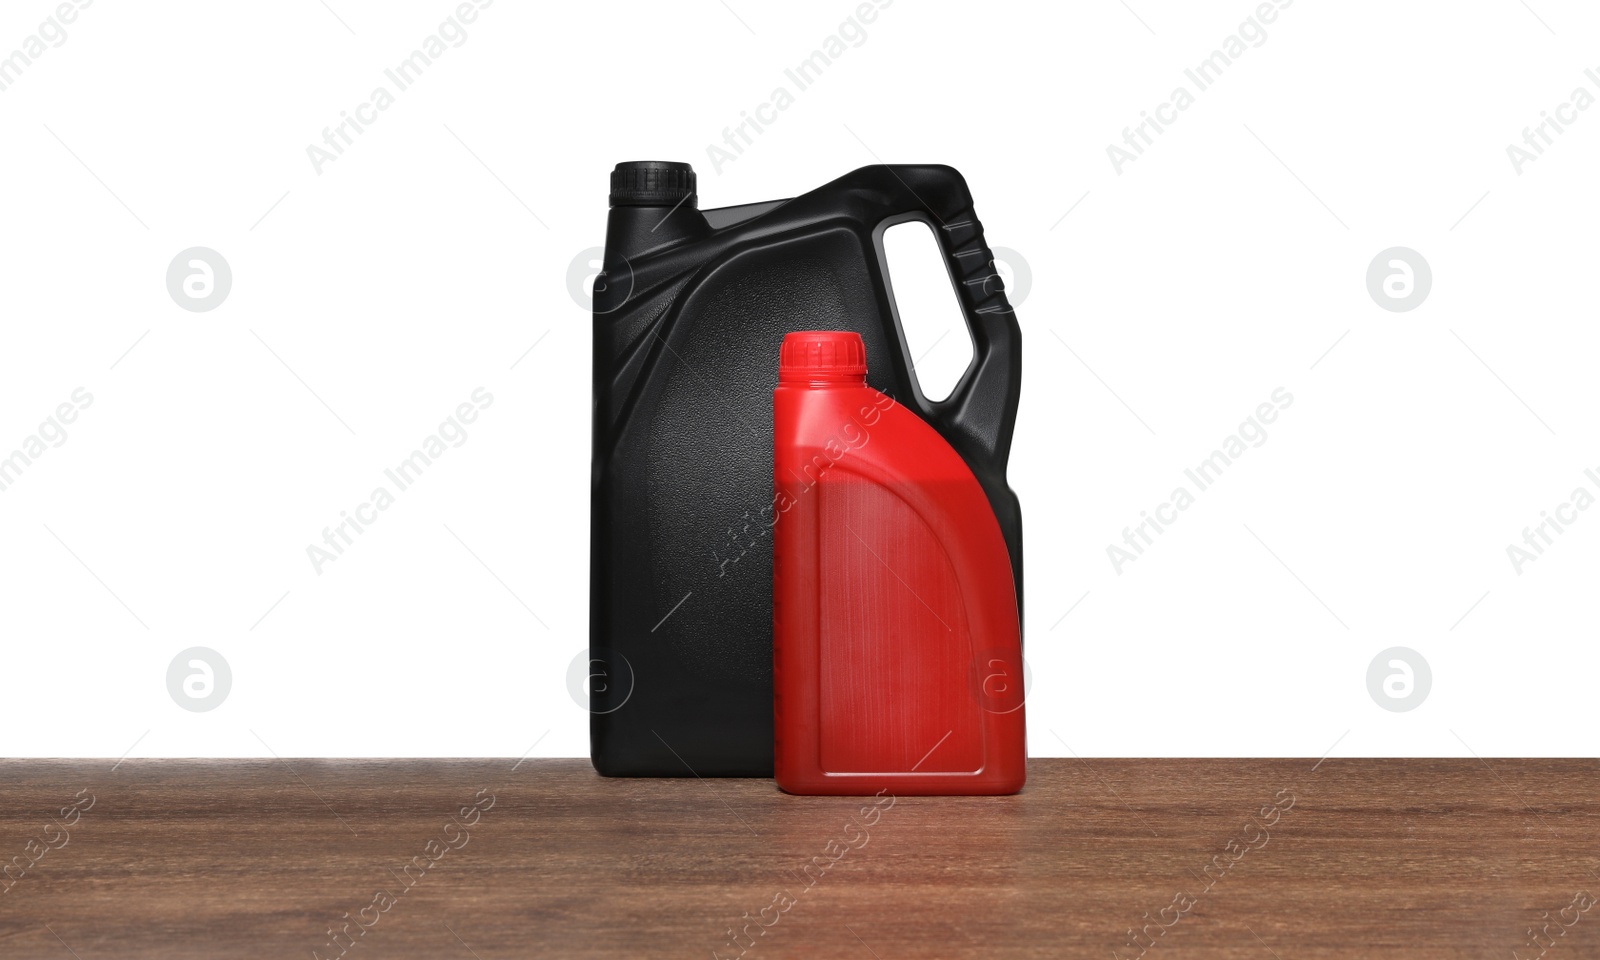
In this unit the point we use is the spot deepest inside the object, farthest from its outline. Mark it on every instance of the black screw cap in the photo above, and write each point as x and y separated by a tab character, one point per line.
653	183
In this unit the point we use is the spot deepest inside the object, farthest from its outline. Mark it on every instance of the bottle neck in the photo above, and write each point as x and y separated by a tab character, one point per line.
816	380
631	231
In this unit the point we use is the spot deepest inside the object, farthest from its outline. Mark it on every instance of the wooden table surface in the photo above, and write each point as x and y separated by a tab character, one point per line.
484	859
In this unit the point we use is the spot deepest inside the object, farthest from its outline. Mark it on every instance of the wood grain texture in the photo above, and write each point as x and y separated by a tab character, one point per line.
1375	858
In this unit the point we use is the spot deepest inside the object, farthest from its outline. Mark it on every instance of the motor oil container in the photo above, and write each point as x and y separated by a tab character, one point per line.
897	645
690	309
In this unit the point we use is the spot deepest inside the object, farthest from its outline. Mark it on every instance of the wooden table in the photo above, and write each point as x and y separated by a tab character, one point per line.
1269	859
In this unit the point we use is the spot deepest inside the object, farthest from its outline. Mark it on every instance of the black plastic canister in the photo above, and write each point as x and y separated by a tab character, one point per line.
689	311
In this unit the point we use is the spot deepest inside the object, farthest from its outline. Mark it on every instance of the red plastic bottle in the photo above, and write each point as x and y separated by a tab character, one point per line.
897	652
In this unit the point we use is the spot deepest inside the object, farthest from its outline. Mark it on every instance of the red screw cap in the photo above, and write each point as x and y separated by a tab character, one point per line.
822	355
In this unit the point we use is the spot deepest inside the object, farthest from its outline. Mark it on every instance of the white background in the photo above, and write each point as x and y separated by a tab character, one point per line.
371	299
